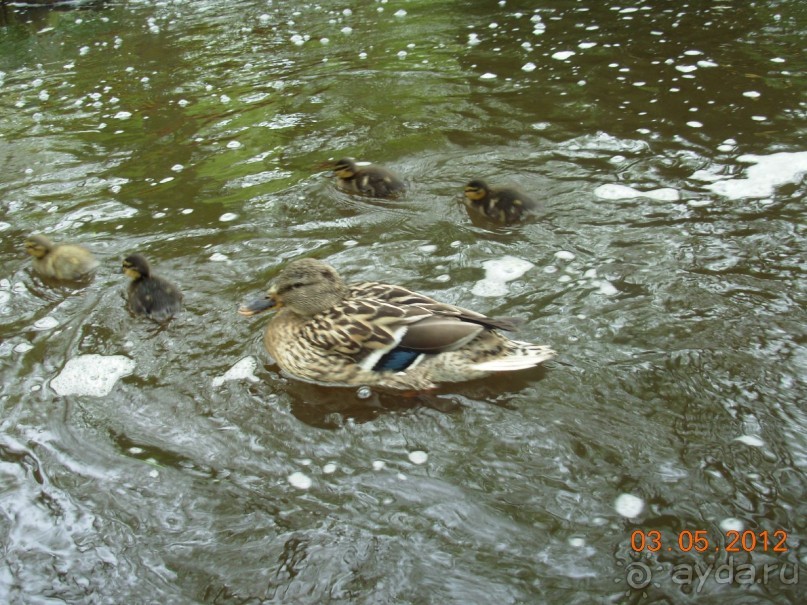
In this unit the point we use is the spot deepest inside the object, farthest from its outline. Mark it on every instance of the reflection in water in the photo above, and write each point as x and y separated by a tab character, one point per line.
664	143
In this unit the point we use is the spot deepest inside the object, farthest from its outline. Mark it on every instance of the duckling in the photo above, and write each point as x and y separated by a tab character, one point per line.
373	181
503	205
149	295
65	262
369	333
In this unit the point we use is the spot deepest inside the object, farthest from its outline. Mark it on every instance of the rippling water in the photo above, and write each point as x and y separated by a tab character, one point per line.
666	144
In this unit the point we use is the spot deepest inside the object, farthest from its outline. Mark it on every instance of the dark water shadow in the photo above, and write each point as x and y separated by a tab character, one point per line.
330	407
36	11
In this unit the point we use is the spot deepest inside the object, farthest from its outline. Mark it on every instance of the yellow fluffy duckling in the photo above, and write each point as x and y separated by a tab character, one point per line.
148	294
369	180
504	205
67	262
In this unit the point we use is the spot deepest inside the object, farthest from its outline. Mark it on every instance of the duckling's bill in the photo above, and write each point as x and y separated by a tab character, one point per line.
259	305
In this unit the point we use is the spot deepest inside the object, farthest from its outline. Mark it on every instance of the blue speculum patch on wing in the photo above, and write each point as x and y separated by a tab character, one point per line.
396	360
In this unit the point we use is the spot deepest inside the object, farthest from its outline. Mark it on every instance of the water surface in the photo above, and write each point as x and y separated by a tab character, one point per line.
666	144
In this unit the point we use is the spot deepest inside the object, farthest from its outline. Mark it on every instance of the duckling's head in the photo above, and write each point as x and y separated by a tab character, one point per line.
135	266
38	246
345	168
306	286
476	190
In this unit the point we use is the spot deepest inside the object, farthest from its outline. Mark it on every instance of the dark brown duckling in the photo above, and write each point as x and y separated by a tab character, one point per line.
65	262
373	181
148	294
504	205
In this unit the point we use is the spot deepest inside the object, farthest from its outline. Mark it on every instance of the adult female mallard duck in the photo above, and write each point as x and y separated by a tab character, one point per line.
503	205
373	181
148	294
65	262
375	334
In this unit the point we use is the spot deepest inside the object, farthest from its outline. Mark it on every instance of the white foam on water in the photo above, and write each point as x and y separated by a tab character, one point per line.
629	505
564	255
418	457
751	440
498	272
227	217
123	115
46	323
218	257
300	480
244	369
766	173
615	191
378	465
606	288
329	468
562	55
488	76
92	375
529	66
731	524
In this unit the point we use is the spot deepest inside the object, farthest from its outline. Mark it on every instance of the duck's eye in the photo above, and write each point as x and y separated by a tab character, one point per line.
293	286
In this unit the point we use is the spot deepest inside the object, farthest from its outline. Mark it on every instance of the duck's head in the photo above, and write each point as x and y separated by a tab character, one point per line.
345	168
38	246
136	266
476	190
306	286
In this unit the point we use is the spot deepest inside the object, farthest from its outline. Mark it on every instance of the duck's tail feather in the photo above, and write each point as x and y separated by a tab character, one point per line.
522	355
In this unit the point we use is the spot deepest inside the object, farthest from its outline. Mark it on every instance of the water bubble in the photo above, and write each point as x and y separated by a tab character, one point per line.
418	457
629	505
364	392
300	480
731	524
